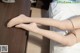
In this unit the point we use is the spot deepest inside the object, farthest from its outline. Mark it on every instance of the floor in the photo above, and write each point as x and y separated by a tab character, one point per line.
36	42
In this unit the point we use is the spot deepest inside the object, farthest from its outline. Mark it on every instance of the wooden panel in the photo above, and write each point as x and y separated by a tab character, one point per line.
14	38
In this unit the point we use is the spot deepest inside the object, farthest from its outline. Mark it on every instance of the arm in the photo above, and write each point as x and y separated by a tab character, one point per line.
65	40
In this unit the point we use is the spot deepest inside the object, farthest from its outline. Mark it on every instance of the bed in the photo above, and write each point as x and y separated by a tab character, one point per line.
61	12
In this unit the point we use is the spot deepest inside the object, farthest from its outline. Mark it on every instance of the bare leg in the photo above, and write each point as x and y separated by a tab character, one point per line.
65	40
64	25
76	22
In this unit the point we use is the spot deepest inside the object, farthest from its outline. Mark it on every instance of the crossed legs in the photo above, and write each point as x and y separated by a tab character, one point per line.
65	40
20	22
64	25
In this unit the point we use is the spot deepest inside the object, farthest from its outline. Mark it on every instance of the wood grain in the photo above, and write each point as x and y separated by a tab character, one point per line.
14	38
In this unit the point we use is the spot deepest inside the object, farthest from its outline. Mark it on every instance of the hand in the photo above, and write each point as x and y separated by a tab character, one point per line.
18	20
30	27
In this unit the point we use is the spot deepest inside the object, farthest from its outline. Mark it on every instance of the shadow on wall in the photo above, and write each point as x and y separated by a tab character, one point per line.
44	4
0	0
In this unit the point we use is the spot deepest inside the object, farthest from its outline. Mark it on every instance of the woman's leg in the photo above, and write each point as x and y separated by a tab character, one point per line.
64	25
65	40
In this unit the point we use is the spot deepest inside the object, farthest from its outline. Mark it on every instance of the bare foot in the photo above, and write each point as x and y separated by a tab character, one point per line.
29	27
18	20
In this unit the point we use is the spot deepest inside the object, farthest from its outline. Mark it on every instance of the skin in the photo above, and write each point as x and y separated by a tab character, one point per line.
76	22
44	21
65	40
70	39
